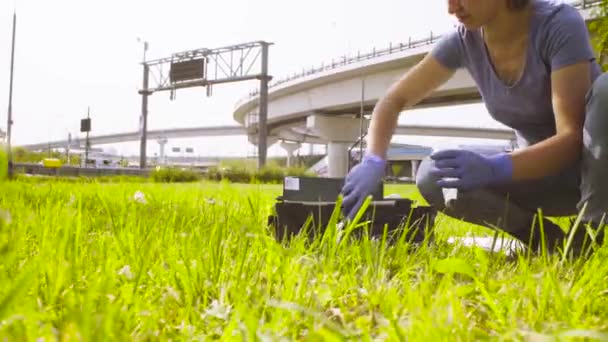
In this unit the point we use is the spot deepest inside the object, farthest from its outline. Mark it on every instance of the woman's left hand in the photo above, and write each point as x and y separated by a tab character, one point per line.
468	170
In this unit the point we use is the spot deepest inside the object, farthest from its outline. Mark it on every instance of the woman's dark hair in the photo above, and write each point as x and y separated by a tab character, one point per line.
517	4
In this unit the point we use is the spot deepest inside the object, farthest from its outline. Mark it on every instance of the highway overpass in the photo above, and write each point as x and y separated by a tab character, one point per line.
321	105
176	133
135	136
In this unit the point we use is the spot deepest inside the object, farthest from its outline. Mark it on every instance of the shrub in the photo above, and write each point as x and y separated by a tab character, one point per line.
268	174
3	163
174	175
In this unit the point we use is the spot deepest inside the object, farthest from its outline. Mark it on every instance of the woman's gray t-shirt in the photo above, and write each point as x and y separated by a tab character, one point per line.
558	37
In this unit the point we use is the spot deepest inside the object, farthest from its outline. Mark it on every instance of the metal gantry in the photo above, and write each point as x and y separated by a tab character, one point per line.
205	68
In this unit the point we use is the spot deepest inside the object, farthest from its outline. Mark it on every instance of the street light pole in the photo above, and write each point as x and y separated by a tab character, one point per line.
10	102
144	112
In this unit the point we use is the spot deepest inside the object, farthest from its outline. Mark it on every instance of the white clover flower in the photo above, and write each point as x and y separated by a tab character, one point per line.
126	272
139	197
218	310
172	293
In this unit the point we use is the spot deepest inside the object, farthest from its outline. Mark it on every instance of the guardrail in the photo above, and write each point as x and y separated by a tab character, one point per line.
391	49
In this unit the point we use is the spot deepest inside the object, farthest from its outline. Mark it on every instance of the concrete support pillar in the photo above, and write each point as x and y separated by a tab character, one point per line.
415	164
337	159
340	133
290	147
270	140
162	142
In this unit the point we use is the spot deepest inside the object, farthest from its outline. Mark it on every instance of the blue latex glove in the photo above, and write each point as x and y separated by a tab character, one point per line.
471	170
360	182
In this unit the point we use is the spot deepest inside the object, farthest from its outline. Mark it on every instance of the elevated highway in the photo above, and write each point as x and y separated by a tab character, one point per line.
176	133
135	136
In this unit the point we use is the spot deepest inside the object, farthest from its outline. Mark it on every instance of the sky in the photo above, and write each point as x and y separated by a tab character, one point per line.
72	55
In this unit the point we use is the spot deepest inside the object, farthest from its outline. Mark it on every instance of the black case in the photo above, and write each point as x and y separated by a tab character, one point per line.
305	197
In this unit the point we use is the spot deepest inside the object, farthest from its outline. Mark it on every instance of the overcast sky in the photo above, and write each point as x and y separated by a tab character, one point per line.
74	54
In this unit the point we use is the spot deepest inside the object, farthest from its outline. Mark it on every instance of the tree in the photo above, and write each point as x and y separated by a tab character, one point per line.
599	33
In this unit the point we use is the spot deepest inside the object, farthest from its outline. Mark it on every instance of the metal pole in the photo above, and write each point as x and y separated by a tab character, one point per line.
144	118
67	149
361	121
263	117
86	144
9	123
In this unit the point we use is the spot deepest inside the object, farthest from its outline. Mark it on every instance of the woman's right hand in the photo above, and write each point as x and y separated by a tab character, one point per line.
361	182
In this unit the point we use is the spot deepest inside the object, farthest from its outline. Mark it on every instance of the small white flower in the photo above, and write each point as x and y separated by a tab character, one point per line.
335	312
126	271
139	197
172	293
218	310
210	201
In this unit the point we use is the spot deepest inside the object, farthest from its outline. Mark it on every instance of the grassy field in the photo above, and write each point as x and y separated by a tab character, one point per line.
196	262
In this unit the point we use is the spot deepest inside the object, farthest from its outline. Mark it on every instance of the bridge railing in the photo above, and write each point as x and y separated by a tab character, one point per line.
391	49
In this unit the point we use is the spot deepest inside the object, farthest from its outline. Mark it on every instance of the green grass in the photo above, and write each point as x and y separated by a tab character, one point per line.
196	262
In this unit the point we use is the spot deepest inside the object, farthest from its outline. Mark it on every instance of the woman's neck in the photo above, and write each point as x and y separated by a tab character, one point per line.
507	25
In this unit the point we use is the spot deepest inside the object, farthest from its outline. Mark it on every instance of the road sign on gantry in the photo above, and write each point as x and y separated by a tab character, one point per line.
187	70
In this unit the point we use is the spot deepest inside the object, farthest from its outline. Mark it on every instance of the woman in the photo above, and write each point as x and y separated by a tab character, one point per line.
534	66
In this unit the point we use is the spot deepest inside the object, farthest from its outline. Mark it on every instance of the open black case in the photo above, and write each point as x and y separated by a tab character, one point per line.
305	197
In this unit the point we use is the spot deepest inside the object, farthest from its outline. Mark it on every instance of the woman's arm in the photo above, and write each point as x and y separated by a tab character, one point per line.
569	86
414	86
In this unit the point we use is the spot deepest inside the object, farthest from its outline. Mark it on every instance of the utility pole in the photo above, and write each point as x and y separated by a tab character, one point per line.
144	118
263	117
10	102
145	92
67	149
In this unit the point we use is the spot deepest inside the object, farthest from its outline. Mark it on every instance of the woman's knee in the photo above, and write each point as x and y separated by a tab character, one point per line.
427	184
597	99
596	120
